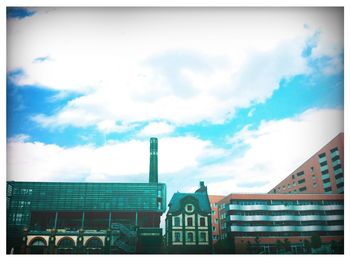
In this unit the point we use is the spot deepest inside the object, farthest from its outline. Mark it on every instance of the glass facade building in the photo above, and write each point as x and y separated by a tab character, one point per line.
73	217
36	207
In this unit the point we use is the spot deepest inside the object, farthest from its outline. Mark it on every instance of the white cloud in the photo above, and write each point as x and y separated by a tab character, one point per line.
273	151
171	65
36	161
156	129
19	138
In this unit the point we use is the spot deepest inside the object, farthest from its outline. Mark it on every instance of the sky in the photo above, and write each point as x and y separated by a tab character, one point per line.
238	97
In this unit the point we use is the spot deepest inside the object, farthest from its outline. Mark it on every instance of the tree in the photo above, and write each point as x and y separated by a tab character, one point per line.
316	241
286	245
249	247
280	248
333	246
224	246
257	244
307	246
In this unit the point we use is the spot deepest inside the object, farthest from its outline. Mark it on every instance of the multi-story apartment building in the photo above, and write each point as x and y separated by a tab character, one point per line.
215	217
74	217
188	223
322	173
262	223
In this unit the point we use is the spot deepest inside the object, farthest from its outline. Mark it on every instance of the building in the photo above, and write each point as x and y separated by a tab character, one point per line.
188	222
280	223
215	217
322	173
67	217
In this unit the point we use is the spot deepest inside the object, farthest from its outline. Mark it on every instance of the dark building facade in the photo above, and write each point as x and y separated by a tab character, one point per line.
322	173
188	223
71	217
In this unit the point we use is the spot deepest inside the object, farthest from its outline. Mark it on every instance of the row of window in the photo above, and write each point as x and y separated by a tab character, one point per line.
190	223
338	172
190	236
286	213
287	223
285	202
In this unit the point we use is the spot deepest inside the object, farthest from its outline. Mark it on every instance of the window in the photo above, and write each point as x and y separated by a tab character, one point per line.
340	185
213	212
202	237
66	243
202	221
301	181
326	180
39	242
293	177
324	172
328	189
312	170
302	189
190	237
177	222
177	237
322	155
216	205
214	229
334	149
301	173
339	175
323	163
189	221
189	208
216	221
335	158
337	167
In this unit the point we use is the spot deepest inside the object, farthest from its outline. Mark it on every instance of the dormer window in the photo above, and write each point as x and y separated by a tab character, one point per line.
189	208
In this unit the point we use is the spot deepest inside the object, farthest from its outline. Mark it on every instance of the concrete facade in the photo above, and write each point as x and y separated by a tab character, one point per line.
215	217
262	223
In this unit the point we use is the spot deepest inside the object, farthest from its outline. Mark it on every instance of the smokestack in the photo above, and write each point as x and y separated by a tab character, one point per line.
153	161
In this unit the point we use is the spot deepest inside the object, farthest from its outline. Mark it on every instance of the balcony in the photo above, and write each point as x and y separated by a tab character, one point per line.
285	207
285	228
287	218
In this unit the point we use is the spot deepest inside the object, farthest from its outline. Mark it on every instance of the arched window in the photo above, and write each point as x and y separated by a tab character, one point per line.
94	246
190	221
177	222
202	222
189	208
202	237
38	246
65	246
190	237
38	242
177	236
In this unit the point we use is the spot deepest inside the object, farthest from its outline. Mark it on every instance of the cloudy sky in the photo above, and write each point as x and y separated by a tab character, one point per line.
238	97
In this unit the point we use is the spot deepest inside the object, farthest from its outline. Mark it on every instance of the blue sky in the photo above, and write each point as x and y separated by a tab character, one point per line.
87	88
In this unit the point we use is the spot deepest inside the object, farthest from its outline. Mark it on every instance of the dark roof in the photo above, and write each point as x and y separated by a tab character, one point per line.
201	197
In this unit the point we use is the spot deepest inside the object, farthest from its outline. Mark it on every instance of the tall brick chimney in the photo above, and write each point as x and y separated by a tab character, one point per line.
153	161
